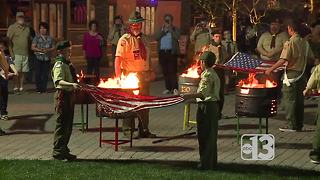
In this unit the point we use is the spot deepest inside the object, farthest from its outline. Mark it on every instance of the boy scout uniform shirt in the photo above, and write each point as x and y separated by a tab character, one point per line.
209	86
201	38
294	52
265	42
128	49
19	36
61	71
314	80
220	57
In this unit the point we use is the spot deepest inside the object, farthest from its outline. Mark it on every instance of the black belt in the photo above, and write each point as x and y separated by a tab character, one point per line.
165	50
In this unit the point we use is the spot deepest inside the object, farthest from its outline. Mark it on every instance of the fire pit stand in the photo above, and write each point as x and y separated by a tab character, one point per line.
116	141
257	103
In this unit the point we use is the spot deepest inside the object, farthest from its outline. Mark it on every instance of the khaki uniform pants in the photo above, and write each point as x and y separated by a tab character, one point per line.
64	108
207	127
294	100
143	115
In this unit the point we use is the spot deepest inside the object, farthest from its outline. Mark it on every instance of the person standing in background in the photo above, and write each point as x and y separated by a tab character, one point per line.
231	48
168	47
19	37
201	35
115	34
42	45
92	49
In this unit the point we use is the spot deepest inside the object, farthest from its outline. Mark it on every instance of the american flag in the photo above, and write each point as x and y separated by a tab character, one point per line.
114	102
246	63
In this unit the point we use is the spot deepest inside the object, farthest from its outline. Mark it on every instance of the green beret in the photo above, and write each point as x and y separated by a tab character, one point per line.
63	45
209	57
135	17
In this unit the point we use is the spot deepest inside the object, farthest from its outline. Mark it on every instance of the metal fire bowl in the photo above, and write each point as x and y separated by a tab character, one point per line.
255	102
256	92
117	116
188	85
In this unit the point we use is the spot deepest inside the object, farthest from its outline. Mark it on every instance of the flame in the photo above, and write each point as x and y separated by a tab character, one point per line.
192	72
81	76
130	81
252	82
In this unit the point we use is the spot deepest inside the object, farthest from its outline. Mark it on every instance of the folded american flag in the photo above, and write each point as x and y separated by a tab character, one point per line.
115	102
246	63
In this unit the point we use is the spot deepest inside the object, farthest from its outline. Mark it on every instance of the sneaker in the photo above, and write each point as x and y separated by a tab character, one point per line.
70	157
166	92
287	129
2	133
314	161
4	117
15	90
176	92
21	89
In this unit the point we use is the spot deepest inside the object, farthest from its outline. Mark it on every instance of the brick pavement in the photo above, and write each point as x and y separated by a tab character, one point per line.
31	125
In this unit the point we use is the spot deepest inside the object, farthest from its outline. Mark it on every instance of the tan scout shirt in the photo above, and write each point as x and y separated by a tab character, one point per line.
220	58
209	86
19	37
314	80
295	52
128	49
201	38
61	71
265	42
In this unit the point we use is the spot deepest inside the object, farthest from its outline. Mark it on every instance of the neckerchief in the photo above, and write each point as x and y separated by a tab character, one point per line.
142	48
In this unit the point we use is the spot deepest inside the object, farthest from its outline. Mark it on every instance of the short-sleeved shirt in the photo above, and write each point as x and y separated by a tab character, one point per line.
19	35
201	38
220	55
314	80
43	42
128	49
61	71
209	86
265	42
295	52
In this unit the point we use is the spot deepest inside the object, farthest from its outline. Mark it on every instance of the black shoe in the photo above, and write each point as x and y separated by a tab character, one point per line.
63	157
147	134
2	133
70	157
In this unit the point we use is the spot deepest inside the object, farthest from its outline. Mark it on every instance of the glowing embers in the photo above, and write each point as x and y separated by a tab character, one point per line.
131	81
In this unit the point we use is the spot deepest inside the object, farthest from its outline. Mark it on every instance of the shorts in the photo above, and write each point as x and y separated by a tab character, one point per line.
21	63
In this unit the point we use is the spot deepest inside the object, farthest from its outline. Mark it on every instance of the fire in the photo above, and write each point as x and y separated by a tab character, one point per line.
192	72
130	81
81	76
252	82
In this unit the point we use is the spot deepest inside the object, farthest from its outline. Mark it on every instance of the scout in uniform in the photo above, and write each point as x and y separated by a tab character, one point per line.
201	35
133	55
208	111
218	49
63	80
296	53
314	84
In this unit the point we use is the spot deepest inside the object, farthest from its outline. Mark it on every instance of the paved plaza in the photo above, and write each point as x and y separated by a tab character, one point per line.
31	124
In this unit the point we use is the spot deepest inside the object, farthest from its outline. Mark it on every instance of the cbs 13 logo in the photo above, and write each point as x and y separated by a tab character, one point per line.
257	146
